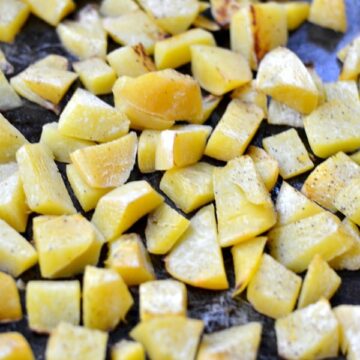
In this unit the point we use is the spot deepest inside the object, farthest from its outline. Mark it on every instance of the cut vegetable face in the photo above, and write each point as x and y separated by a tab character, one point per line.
117	7
162	298
189	187
131	61
246	258
158	99
9	99
290	152
308	333
50	302
134	28
147	150
128	256
65	244
196	259
181	146
10	307
297	12
323	184
284	77
16	253
104	286
68	341
234	131
174	17
281	114
86	37
107	165
44	188
160	337
321	281
229	343
127	350
175	51
243	205
89	118
219	70
294	245
123	206
164	228
273	290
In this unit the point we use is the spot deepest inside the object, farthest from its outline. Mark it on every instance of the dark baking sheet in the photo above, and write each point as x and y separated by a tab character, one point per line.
218	310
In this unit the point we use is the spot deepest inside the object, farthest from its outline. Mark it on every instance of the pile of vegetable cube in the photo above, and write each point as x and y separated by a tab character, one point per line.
159	123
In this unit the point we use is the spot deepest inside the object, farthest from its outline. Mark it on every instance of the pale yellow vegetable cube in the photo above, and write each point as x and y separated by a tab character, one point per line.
157	99
75	342
87	117
9	99
310	333
164	228
122	207
51	11
219	70
160	337
106	299
348	317
284	77
329	14
332	127
346	91
321	281
347	200
15	14
16	253
127	350
10	306
106	165
256	29
323	184
350	259
13	206
250	94
246	258
5	65
65	244
162	298
196	259
234	131
43	185
87	196
61	145
11	140
134	28
294	245
15	346
190	187
181	146
289	151
297	12
175	51
292	205
97	76
273	290
131	61
50	84
243	205
147	150
86	37
174	17
209	104
266	166
117	7
351	62
128	256
233	343
281	114
50	302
